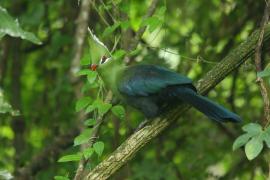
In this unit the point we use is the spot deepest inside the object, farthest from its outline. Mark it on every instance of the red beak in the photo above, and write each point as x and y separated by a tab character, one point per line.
93	67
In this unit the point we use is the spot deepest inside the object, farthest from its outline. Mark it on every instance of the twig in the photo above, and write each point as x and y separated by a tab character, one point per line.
196	60
94	134
99	13
258	64
142	29
80	34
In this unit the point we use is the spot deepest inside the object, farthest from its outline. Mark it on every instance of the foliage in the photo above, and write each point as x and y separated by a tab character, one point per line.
253	140
12	28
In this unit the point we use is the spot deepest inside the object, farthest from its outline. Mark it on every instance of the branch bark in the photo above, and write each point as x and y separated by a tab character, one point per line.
128	149
258	64
80	34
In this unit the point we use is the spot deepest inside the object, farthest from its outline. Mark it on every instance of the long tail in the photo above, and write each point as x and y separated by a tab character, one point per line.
211	109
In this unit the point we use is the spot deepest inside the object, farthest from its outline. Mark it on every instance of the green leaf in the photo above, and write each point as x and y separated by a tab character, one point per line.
125	25
161	11
241	140
99	147
83	72
87	86
118	111
82	103
153	23
88	152
90	108
135	52
91	77
5	107
83	137
252	128
70	157
86	59
61	178
90	122
103	108
253	148
266	138
119	54
12	27
264	73
109	30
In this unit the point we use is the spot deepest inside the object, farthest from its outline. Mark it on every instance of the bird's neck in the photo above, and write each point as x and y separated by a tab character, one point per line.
110	76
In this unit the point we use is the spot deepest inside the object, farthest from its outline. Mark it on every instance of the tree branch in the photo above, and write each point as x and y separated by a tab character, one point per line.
80	34
128	149
258	64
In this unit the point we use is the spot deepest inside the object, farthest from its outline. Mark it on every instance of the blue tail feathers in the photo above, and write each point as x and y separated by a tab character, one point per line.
211	109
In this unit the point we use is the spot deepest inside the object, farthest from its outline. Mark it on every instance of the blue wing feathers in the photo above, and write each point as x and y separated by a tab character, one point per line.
143	80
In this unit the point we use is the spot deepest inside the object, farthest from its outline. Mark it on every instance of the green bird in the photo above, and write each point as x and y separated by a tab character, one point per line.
153	89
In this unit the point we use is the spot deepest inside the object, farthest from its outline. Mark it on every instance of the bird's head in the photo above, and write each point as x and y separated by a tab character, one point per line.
103	62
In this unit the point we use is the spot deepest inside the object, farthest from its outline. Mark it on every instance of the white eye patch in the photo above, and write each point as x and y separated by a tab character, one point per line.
104	59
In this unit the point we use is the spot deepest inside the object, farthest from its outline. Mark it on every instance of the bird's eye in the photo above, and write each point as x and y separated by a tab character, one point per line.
104	59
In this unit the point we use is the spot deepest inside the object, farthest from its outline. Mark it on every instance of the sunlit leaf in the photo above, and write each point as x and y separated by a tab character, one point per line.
125	25
119	54
241	140
91	77
12	27
84	72
103	108
153	23
253	148
252	128
70	157
99	147
118	111
90	108
109	30
87	153
5	107
90	122
266	138
83	137
86	59
82	103
61	178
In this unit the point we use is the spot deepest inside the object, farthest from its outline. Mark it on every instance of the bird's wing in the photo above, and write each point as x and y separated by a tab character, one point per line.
142	80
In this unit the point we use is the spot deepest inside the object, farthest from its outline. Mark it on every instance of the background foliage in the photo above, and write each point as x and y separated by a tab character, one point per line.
38	101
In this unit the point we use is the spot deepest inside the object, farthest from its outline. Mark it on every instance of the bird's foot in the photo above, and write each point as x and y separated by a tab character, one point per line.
141	125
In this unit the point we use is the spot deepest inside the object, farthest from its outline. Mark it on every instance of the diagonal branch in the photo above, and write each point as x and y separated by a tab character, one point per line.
128	149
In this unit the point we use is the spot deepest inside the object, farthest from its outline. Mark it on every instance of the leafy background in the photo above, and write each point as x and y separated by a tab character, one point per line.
38	101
